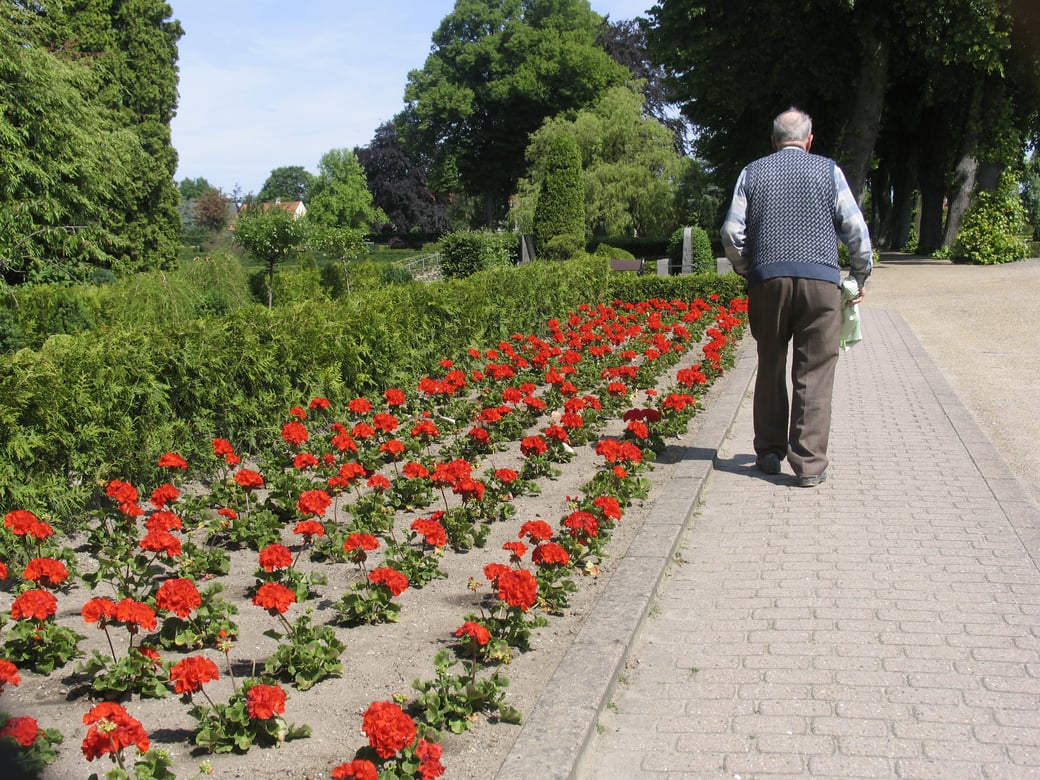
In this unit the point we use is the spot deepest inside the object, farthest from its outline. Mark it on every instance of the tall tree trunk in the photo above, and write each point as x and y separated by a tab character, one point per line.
861	131
904	197
934	147
967	166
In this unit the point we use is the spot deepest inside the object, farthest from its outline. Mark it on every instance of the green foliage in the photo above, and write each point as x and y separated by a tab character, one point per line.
993	230
465	252
192	189
105	404
272	236
563	247
288	183
495	72
631	167
339	195
560	210
223	728
700	245
1031	193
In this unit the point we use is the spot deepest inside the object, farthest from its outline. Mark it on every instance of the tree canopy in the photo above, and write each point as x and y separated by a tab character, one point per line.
288	183
89	89
339	194
920	96
496	71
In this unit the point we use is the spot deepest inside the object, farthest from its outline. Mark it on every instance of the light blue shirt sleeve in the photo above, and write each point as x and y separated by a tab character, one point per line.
734	227
852	229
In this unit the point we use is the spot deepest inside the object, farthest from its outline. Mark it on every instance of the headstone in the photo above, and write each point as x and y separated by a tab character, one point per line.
687	251
662	266
526	248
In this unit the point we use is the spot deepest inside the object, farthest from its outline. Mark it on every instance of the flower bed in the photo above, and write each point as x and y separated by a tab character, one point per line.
273	583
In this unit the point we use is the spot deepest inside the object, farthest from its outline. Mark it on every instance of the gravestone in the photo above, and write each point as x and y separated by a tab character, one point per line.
687	251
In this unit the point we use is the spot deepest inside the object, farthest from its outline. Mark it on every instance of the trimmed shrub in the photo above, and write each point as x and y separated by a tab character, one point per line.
700	244
560	210
464	253
994	229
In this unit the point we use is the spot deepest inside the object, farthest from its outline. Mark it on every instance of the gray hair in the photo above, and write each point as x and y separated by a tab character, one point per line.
792	125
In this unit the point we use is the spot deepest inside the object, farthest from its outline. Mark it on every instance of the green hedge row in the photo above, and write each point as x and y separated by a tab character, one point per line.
105	404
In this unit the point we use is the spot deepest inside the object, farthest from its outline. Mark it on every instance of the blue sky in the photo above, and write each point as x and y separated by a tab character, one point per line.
267	83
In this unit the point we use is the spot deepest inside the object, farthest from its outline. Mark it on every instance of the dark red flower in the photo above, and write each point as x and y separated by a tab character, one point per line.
550	553
536	530
98	608
429	755
8	674
161	542
308	529
163	495
431	530
136	614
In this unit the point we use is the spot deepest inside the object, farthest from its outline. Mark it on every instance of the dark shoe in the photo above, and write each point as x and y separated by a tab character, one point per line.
812	480
768	463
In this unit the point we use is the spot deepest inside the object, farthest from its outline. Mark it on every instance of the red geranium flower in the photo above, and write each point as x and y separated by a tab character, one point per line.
46	572
23	730
358	541
8	674
518	588
298	412
536	530
433	532
35	604
359	406
516	550
414	470
163	495
319	402
126	496
295	433
111	730
309	528
189	675
179	596
388	728
163	521
533	445
135	614
355	770
265	701
304	460
248	479
495	570
429	755
394	397
274	597
396	582
98	608
384	422
275	556
506	476
313	503
172	460
161	542
474	631
550	553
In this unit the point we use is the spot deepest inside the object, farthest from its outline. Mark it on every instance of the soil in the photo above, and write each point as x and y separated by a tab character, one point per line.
380	661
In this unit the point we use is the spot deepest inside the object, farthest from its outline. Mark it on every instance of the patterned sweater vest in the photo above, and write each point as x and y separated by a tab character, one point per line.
790	217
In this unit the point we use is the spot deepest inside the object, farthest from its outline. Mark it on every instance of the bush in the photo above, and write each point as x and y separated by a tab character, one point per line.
560	210
563	247
700	245
464	253
993	229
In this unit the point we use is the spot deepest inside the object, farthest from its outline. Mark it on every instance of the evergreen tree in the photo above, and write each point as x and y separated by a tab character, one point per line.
561	203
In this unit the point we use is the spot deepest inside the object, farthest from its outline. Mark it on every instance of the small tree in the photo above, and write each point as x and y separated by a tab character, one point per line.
340	196
270	236
993	230
343	244
560	210
211	211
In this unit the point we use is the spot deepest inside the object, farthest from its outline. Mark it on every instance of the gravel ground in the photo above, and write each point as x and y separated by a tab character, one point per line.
980	324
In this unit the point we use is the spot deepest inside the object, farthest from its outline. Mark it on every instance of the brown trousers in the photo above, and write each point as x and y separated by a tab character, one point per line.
805	312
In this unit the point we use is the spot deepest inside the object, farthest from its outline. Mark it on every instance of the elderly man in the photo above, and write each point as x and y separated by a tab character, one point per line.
788	212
